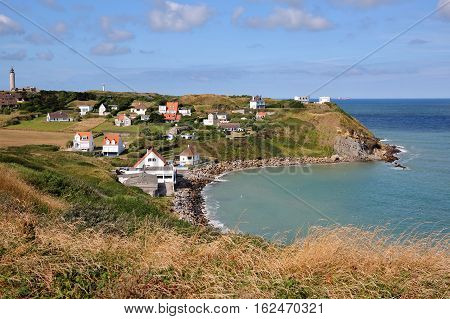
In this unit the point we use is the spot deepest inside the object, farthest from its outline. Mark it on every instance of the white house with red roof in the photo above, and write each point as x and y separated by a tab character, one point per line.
83	142
151	159
122	120
112	145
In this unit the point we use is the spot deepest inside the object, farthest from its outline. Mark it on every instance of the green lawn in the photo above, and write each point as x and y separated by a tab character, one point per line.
40	124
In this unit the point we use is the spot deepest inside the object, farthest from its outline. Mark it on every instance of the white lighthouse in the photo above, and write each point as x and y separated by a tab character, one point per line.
12	80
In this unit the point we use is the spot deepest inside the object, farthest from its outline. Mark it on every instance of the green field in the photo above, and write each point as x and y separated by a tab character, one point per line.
40	124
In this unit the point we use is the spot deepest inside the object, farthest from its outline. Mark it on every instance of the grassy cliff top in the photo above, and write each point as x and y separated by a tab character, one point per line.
69	230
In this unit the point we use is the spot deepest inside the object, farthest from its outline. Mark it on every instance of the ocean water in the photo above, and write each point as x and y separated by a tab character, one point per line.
281	203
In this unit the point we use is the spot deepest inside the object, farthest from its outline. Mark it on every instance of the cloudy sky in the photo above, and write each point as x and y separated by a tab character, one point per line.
278	48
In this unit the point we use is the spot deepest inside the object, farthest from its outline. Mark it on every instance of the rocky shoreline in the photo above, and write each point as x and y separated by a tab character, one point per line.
189	203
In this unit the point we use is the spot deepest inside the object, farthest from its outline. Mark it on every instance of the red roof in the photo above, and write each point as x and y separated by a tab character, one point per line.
121	117
111	137
87	134
172	106
149	151
172	117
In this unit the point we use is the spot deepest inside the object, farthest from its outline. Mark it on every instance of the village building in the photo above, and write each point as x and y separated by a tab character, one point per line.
112	145
148	183
212	120
257	102
8	99
185	112
223	117
231	127
189	156
324	99
170	117
303	99
102	110
139	108
153	163
58	116
83	141
261	115
114	107
162	109
85	109
122	120
172	107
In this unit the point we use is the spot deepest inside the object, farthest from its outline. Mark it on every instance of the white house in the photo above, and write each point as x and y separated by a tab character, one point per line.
324	99
185	112
102	110
303	99
189	157
257	102
162	109
85	109
83	141
139	109
122	120
114	107
155	164
112	145
58	117
212	120
231	127
223	118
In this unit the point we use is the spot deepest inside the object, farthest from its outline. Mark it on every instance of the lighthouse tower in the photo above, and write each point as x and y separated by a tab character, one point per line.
12	80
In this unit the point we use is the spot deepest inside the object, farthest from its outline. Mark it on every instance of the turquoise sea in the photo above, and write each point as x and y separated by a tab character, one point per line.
281	203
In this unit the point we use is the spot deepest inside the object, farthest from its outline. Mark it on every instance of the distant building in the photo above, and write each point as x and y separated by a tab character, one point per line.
139	107
122	120
83	141
189	156
222	117
261	115
212	120
162	109
171	117
303	99
102	110
231	127
12	80
85	109
58	117
172	107
8	99
185	112
257	102
324	99
112	145
114	107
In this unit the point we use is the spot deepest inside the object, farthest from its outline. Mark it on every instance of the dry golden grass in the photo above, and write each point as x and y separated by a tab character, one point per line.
44	256
87	124
22	137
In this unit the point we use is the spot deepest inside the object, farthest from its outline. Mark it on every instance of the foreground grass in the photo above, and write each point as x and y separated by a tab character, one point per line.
69	230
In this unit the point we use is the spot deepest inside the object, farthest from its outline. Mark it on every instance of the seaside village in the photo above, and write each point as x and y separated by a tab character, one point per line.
153	173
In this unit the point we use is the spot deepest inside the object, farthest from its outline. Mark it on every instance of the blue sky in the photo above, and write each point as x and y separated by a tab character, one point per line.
277	48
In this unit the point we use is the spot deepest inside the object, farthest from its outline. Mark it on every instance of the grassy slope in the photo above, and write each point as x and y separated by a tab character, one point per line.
69	230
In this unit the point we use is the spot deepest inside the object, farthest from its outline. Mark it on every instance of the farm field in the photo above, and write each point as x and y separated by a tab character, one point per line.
40	124
27	137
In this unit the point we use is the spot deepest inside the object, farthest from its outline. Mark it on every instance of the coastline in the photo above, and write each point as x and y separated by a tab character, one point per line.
189	202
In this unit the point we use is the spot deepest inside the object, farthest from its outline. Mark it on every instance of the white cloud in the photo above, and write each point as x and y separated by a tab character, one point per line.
60	28
290	19
112	34
237	14
45	56
18	55
9	26
362	3
445	11
109	49
177	17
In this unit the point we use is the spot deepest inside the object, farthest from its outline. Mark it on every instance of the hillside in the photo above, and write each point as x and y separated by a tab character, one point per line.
69	230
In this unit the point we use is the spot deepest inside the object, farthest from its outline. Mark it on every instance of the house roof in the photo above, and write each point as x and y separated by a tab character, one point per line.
172	104
261	114
87	134
230	125
189	151
58	115
140	104
149	151
172	117
111	137
121	117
